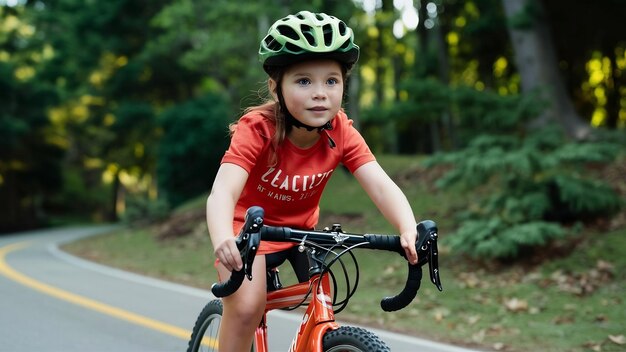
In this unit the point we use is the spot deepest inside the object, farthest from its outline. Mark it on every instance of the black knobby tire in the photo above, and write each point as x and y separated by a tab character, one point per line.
353	339
206	328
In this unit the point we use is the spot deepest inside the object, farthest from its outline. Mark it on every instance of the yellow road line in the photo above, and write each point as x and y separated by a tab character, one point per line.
10	273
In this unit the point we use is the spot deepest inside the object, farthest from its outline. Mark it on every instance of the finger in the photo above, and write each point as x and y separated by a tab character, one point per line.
226	258
226	262
237	263
235	257
234	261
411	256
409	251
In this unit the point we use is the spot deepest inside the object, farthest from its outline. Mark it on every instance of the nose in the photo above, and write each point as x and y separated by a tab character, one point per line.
319	92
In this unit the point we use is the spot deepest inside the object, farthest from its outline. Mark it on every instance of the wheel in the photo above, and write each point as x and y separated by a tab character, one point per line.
353	339
204	334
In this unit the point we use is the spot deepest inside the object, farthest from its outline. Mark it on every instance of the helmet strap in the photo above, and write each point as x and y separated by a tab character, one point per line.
291	121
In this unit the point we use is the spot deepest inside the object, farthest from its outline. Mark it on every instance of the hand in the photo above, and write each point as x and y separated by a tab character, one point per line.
228	254
407	240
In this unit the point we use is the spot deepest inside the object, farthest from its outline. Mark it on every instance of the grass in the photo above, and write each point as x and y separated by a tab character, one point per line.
572	303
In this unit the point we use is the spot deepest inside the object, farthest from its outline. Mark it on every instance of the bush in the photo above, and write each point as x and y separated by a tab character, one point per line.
195	136
525	189
141	210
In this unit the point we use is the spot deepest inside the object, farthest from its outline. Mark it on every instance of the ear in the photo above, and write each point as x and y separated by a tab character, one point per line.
271	86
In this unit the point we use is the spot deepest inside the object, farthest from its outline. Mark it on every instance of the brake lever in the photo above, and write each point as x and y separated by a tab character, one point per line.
427	250
248	243
433	262
249	252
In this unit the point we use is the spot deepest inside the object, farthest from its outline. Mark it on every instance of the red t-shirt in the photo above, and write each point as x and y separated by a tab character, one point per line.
289	190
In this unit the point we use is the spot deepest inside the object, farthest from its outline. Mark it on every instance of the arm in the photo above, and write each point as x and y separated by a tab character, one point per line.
220	209
391	202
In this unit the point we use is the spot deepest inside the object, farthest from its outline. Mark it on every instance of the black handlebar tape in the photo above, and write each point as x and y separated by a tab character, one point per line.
269	233
401	300
385	242
228	287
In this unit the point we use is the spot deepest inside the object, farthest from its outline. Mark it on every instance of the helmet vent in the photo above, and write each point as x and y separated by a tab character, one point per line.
342	28
288	32
292	48
328	34
272	44
307	31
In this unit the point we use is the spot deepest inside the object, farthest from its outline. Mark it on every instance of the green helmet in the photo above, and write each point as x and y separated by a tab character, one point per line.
308	35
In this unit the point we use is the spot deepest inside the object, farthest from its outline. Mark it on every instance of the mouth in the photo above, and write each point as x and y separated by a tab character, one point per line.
318	108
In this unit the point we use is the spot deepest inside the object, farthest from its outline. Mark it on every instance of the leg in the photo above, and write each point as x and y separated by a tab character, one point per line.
243	310
300	264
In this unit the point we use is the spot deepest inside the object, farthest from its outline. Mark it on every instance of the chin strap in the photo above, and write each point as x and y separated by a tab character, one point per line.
331	143
293	122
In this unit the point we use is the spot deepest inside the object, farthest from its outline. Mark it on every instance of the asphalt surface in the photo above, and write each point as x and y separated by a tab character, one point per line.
53	301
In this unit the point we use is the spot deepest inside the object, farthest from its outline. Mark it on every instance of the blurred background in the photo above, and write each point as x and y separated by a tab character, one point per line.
503	120
119	109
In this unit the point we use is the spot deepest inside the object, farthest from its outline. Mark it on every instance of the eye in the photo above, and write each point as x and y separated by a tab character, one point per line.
303	81
332	81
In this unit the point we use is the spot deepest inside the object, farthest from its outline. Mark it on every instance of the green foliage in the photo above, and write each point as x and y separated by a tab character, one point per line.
81	195
194	138
496	238
487	112
473	113
141	210
30	158
525	187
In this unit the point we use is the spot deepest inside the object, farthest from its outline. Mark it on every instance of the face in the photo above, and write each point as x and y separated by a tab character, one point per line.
313	91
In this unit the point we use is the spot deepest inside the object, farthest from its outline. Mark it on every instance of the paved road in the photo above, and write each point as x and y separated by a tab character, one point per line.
52	301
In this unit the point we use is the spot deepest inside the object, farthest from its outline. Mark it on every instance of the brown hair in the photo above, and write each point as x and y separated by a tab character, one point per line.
271	111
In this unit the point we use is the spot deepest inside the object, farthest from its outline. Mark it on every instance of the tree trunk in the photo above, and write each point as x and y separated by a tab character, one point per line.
113	210
537	64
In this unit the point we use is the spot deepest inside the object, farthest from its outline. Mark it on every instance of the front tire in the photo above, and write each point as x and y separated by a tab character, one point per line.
204	336
353	339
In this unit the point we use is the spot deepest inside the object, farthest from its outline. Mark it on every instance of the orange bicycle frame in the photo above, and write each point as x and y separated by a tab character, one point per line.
318	318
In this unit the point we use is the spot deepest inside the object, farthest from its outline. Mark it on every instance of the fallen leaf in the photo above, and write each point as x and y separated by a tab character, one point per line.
604	266
479	336
563	319
473	319
618	339
601	318
469	280
499	346
440	314
593	346
516	305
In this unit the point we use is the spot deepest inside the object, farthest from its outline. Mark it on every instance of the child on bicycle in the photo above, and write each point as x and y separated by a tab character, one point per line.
282	154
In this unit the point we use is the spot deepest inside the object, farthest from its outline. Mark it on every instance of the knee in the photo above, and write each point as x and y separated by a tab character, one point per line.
245	312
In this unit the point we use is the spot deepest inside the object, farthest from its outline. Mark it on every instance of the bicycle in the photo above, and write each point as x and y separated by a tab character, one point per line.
318	331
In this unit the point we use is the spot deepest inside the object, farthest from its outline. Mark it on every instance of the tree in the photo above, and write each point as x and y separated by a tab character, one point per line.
590	41
194	140
112	87
30	155
536	61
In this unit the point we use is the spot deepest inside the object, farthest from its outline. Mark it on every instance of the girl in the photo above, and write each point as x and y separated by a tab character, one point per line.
282	154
